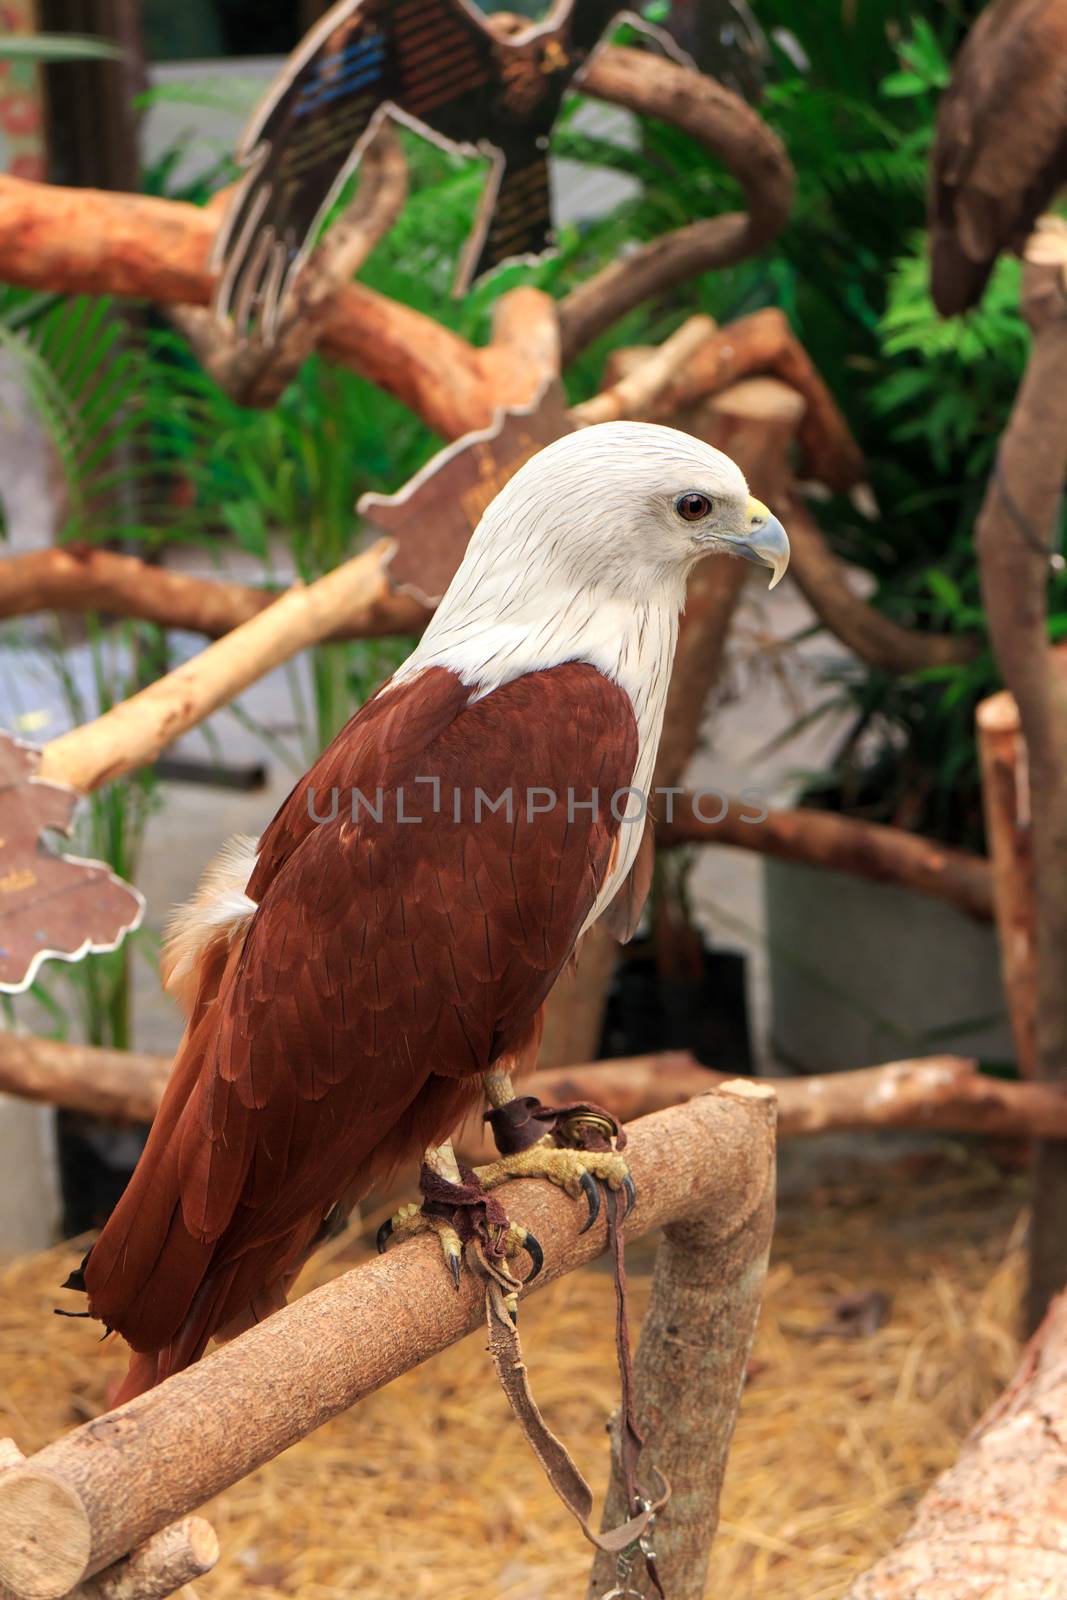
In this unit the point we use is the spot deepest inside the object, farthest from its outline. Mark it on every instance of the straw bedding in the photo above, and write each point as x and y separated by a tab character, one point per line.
427	1489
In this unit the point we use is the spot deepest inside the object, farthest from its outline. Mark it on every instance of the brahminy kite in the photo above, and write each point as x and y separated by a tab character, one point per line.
362	976
1000	151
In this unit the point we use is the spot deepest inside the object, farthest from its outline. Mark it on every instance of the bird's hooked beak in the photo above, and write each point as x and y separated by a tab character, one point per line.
764	540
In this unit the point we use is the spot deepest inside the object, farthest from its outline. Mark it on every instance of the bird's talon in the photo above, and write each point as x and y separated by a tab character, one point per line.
455	1266
591	1190
629	1189
384	1234
533	1249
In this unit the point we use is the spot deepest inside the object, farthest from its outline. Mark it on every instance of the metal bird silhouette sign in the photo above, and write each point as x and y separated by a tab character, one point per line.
51	906
437	66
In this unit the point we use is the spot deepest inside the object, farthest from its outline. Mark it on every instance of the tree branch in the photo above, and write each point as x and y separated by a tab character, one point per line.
1019	516
81	578
732	132
843	844
135	731
254	1397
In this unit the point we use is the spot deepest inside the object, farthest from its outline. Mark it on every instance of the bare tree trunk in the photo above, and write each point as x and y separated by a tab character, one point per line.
690	1370
1014	532
993	1525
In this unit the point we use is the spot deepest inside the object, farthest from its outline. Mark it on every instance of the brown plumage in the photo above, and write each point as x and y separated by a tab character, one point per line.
1000	152
344	1027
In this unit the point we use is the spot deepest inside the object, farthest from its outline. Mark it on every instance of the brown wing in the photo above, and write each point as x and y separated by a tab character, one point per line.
1000	151
388	965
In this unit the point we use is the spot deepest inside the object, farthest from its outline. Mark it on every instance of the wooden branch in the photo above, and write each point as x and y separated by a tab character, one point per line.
634	395
689	1374
1006	803
839	843
135	731
732	132
761	344
947	1093
875	638
993	1524
80	578
119	1084
86	241
162	1565
254	1397
1019	516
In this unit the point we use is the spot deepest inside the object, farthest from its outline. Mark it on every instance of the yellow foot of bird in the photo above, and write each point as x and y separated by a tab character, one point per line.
506	1240
577	1172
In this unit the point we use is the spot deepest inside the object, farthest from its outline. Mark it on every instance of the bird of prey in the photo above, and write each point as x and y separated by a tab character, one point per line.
358	979
439	67
1000	151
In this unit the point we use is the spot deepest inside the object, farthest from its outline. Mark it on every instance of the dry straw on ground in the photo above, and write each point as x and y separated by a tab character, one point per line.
427	1489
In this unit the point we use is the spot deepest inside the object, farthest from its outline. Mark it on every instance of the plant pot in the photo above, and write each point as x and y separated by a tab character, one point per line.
863	973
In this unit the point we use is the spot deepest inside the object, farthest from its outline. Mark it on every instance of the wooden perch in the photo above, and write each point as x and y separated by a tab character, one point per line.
690	1367
937	1092
760	344
80	578
843	844
121	1084
1006	804
947	1093
135	731
82	241
634	395
1015	532
106	1487
730	130
993	1525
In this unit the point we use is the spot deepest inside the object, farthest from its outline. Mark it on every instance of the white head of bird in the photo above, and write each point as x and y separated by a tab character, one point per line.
584	555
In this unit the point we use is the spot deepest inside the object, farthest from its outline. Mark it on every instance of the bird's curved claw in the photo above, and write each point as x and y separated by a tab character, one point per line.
532	1246
629	1189
384	1234
591	1190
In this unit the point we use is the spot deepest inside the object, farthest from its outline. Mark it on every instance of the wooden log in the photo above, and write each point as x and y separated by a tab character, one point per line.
689	1374
1015	531
162	1565
842	844
1006	803
80	578
635	393
119	1479
120	1084
135	731
86	241
733	133
762	344
944	1093
993	1525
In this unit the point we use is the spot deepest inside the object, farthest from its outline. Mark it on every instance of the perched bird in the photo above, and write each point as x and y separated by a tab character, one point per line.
357	980
436	65
1000	151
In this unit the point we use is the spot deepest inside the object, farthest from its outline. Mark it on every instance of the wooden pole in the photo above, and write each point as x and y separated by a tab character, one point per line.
106	1487
1006	803
164	1564
993	1525
1014	535
690	1370
135	731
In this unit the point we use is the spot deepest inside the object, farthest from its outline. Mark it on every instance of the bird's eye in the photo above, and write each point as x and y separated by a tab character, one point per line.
692	506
